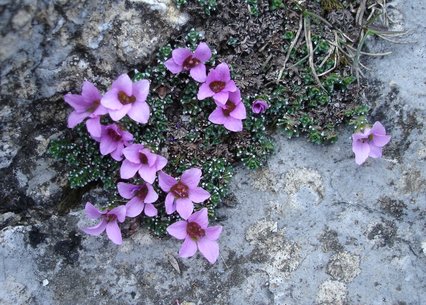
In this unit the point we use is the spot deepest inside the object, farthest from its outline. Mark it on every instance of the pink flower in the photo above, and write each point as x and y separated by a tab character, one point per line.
231	114
86	105
113	139
197	234
126	97
141	160
218	85
109	219
369	143
141	198
182	193
184	59
259	106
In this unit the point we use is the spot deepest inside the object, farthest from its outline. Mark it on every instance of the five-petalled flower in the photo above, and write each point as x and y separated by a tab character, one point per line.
218	85
196	234
231	114
109	221
182	193
113	140
369	143
142	160
86	105
184	60
127	97
141	198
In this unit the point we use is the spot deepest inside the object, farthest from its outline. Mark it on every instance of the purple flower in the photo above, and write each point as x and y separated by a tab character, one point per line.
141	160
113	139
218	85
141	198
231	114
86	105
126	97
369	143
259	106
109	219
182	193
197	234
184	59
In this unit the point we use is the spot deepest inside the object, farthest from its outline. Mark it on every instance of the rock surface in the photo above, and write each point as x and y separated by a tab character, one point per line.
312	227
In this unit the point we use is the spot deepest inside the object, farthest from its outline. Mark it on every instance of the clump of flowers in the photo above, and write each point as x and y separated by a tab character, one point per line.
369	142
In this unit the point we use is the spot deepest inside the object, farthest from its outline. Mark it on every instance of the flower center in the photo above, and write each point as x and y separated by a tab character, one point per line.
190	62
142	192
143	158
194	231
94	106
370	137
114	135
217	86
180	190
110	217
125	99
229	107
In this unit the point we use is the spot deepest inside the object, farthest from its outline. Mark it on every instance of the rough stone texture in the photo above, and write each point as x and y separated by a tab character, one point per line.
48	48
312	227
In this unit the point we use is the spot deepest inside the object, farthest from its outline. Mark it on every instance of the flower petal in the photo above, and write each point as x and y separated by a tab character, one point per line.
95	230
152	195
139	112
217	116
213	233
91	211
203	52
180	54
134	207
223	72
117	154
114	233
191	177
233	124
178	229
141	90
188	248
110	100
201	217
198	195
128	169
108	145
239	111
198	73
123	83
230	86
204	92
150	210
221	97
76	101
375	152
160	163
120	212
117	115
76	118
360	149
166	181
170	204
90	93
173	67
378	128
132	153
209	249
94	127
184	207
126	190
147	173
381	140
